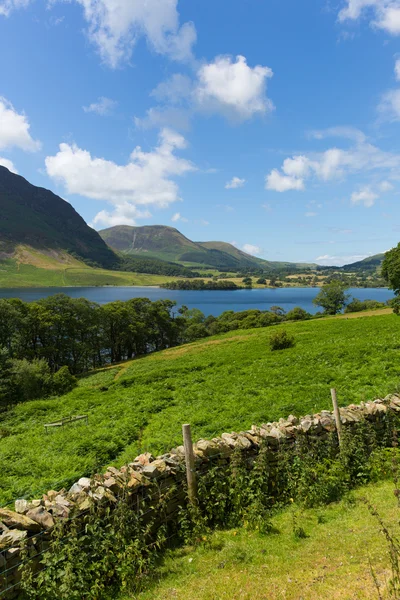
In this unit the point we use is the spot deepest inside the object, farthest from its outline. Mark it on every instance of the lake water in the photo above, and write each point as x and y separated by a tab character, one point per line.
209	302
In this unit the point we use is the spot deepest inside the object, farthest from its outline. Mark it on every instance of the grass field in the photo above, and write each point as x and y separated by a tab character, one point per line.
52	273
333	561
225	383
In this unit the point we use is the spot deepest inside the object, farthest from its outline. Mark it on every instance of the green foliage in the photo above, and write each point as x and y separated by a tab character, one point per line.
332	297
357	305
391	268
297	314
63	381
223	384
200	284
31	379
280	340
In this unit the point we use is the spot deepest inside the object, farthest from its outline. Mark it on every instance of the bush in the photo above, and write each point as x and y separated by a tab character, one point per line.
281	340
63	382
297	314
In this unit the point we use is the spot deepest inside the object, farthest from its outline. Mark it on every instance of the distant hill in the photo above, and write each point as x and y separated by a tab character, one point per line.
37	218
167	243
371	263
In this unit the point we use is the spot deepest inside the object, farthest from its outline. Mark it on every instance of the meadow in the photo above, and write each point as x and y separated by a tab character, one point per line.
238	564
53	274
225	383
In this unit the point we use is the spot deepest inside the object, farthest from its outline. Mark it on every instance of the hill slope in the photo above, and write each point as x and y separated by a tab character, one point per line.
220	384
371	263
169	244
37	218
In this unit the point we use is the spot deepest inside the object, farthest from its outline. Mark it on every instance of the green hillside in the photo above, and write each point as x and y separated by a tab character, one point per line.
225	383
38	218
371	263
169	244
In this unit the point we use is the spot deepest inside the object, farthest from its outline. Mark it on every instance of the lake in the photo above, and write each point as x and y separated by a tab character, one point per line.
209	302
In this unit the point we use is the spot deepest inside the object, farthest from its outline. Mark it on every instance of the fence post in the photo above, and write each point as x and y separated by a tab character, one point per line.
337	415
189	460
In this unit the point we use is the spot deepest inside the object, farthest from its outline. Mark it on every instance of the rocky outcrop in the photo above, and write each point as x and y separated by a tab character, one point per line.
31	522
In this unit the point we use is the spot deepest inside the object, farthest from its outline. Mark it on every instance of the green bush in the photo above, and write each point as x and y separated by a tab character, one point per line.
280	340
63	382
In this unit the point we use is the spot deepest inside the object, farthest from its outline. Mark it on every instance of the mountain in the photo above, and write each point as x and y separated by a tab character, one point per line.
167	243
37	218
371	263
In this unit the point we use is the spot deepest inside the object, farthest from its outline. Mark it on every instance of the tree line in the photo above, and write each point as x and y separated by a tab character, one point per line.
44	344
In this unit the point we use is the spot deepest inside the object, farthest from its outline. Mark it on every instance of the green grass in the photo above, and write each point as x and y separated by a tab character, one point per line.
225	383
332	562
14	274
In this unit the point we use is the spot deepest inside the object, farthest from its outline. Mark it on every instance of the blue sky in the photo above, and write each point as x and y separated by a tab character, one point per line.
270	124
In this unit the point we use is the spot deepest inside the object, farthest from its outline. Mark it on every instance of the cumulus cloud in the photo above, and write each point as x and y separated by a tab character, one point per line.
331	164
389	106
166	116
234	89
4	162
174	90
6	6
145	180
365	196
103	107
383	14
14	129
386	186
114	26
251	249
234	183
123	214
178	217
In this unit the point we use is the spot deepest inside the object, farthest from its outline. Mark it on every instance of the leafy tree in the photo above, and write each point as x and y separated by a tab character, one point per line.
391	269
31	379
248	282
297	314
261	281
63	382
332	297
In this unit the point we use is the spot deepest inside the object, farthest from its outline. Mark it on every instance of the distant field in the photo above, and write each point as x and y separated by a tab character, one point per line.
333	561
225	383
54	274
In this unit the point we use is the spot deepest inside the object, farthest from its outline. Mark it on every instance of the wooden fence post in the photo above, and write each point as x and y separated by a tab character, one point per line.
189	460
337	415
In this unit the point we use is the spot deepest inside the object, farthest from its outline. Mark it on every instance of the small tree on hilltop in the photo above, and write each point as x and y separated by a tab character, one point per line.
332	297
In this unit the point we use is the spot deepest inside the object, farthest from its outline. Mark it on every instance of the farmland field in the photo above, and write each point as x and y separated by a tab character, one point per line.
220	384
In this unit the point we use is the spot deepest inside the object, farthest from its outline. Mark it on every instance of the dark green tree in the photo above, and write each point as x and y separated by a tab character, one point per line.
332	297
391	269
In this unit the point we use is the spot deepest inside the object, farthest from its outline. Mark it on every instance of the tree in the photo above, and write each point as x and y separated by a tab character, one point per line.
332	297
261	281
248	282
391	269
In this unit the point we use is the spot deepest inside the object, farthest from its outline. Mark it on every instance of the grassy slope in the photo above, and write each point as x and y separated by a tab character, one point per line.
332	562
221	384
47	271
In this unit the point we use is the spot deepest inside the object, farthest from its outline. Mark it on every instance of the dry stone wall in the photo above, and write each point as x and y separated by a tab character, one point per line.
31	522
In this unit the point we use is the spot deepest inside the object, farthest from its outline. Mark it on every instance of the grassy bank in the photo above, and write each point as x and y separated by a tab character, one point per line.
221	384
333	561
14	274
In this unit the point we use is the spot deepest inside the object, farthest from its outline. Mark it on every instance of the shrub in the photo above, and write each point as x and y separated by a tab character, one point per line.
63	382
281	340
297	314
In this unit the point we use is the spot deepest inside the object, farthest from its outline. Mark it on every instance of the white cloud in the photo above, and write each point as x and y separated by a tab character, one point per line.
14	129
174	90
233	88
383	14
145	180
4	162
310	214
338	261
282	183
123	214
251	249
234	183
114	26
397	69
165	116
389	106
178	217
333	163
6	6
365	196
103	107
386	186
